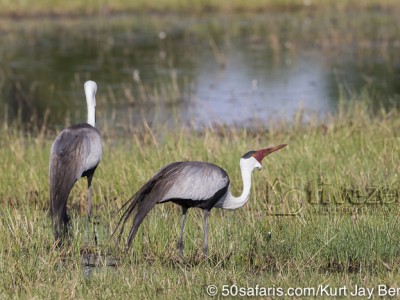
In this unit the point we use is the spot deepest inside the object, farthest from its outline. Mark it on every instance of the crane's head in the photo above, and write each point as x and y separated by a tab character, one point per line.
253	159
90	92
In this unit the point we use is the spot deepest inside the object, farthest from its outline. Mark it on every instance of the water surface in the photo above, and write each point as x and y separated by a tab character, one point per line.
235	69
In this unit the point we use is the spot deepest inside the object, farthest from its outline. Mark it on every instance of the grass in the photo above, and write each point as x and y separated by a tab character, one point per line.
344	236
104	7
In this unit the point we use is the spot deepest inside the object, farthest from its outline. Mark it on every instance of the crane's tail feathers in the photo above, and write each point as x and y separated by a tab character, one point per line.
60	186
142	202
142	209
142	212
58	213
125	216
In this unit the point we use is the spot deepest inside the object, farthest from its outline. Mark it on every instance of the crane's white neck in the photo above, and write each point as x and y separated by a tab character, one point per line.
230	202
91	120
90	93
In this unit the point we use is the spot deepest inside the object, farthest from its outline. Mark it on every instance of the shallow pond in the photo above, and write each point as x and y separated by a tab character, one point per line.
198	70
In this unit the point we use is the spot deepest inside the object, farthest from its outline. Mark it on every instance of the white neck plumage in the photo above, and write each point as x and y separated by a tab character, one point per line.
248	163
231	202
91	120
90	92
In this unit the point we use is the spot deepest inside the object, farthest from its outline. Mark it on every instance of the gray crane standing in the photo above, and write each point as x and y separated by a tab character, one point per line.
75	153
191	184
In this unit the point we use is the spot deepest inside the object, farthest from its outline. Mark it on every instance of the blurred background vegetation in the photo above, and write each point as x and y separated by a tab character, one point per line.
192	62
92	7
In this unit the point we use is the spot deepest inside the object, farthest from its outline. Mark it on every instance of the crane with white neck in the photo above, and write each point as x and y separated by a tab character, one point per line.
191	184
75	153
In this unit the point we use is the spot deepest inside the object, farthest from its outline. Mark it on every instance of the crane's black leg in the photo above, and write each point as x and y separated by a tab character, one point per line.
89	208
205	245
180	241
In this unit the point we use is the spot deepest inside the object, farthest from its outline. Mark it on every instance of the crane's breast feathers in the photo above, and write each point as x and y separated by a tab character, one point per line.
192	180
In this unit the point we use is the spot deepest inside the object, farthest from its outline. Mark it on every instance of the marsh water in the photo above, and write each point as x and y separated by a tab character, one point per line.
197	70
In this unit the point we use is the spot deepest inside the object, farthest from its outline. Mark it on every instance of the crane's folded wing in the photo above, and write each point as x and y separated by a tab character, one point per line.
193	180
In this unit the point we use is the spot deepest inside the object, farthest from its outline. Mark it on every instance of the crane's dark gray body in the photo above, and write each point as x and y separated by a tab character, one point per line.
189	184
75	153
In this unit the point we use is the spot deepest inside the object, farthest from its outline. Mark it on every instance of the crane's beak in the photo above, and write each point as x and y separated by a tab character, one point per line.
260	154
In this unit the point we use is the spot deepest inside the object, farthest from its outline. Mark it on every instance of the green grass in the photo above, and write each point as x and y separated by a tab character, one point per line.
325	243
93	7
